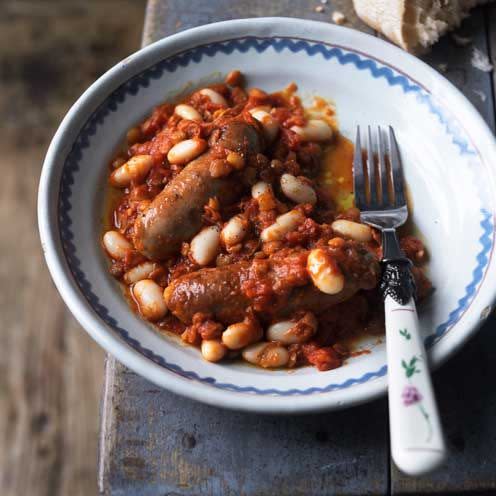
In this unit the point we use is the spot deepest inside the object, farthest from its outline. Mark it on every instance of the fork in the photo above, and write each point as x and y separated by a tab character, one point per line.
417	442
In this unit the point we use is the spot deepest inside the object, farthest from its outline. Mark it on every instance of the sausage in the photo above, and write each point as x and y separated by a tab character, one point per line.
175	215
219	292
215	291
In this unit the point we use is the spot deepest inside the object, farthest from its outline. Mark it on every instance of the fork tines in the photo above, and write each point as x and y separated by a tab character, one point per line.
378	177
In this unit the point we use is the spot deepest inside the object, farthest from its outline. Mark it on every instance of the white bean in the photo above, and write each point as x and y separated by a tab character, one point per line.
168	291
284	223
234	231
314	130
324	272
289	332
205	245
187	112
185	151
265	108
239	335
353	230
213	350
141	271
235	160
297	190
259	189
269	124
214	96
262	192
116	244
135	169
277	331
148	296
267	355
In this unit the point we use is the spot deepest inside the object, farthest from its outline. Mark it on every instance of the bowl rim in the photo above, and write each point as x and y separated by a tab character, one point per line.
62	277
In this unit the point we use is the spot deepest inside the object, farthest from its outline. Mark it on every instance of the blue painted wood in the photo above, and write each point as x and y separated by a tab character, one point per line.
162	444
156	443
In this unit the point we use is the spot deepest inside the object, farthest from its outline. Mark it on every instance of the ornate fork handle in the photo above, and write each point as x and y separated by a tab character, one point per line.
397	278
416	434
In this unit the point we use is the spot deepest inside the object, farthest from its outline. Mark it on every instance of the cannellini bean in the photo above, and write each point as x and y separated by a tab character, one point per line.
234	231
324	272
214	96
284	223
148	296
118	162
168	291
187	112
141	271
269	124
264	108
336	243
235	160
289	332
239	335
353	230
213	350
267	355
277	331
234	78
314	130
297	190
256	93
205	245
185	151
259	189
135	169
262	192
116	244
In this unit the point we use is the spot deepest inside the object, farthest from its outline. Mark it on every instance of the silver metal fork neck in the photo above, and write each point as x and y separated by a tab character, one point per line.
390	246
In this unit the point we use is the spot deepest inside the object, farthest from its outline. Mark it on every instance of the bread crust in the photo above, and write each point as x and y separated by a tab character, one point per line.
401	20
385	16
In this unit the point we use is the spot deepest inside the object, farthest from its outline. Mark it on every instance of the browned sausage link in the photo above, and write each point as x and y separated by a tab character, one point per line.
218	292
175	215
215	291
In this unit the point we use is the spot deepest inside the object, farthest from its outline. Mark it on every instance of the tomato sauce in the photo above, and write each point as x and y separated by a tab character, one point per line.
263	278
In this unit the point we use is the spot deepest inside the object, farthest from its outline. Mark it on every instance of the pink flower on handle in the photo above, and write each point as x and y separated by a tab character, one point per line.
410	395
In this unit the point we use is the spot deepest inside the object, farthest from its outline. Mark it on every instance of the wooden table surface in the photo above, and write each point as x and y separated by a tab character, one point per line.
51	372
155	443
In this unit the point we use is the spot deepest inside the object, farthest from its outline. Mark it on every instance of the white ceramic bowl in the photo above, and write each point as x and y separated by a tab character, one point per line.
449	157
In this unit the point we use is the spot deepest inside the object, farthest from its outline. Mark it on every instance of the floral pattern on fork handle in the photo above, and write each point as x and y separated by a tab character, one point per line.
410	394
417	443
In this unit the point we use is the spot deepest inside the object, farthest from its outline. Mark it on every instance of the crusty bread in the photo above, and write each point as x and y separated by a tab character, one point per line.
414	24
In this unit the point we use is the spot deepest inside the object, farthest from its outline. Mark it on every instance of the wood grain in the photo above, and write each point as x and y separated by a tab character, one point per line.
167	17
160	443
466	396
50	371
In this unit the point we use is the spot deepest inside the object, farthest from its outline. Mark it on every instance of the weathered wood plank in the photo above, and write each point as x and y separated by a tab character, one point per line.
50	370
454	62
159	443
170	16
467	398
467	402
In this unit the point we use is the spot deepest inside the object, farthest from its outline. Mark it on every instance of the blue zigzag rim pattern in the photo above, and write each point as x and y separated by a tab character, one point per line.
343	55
